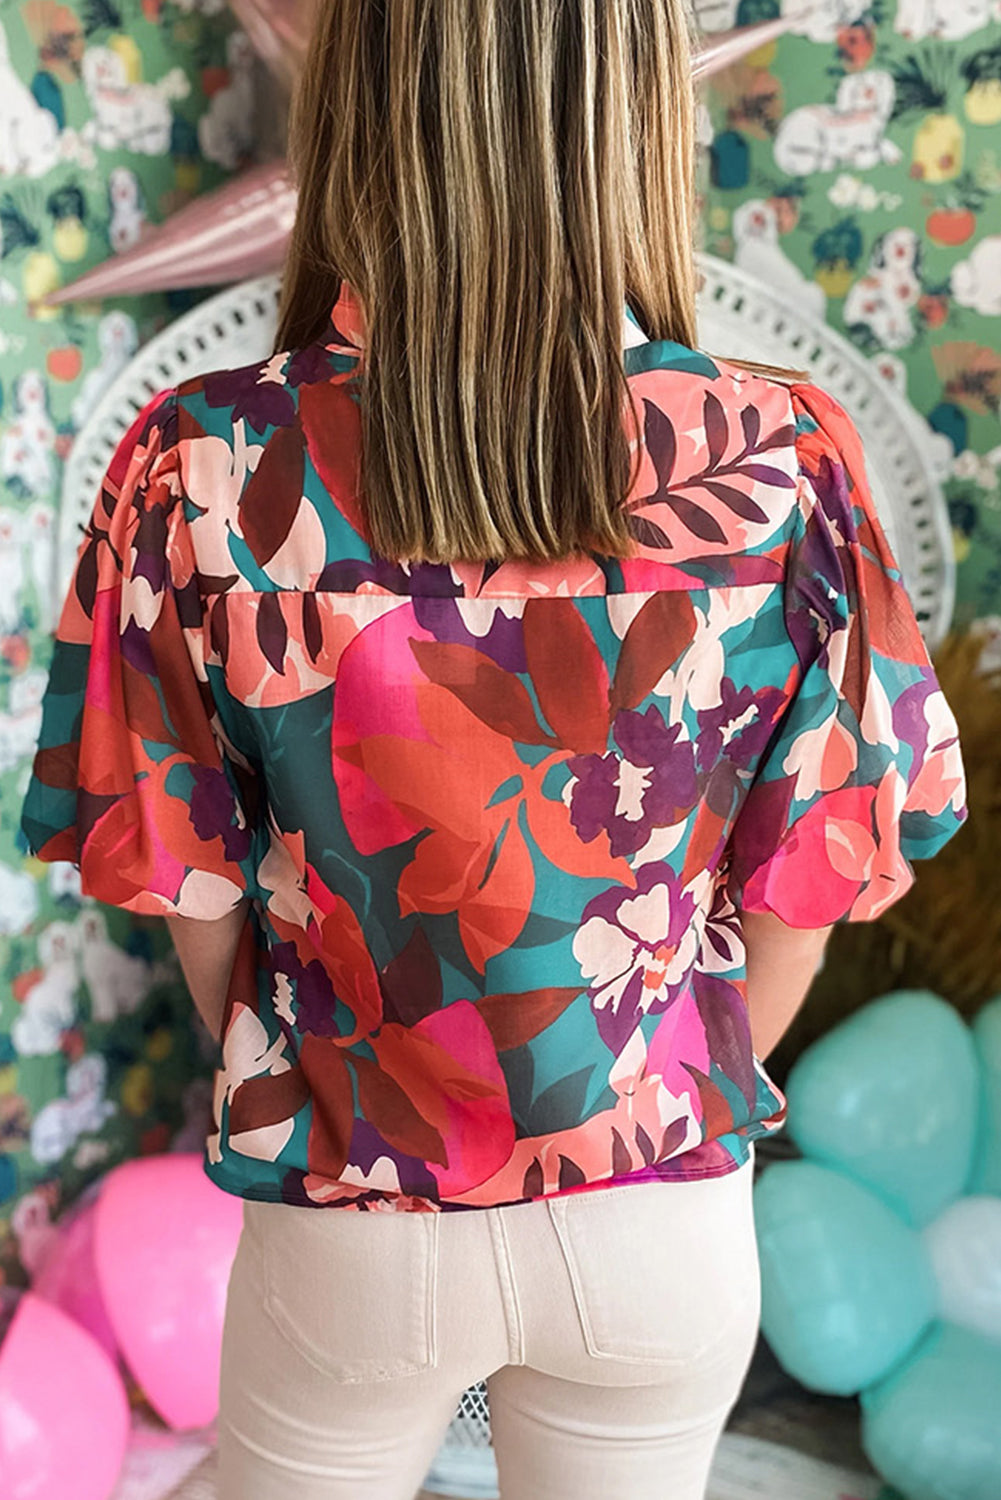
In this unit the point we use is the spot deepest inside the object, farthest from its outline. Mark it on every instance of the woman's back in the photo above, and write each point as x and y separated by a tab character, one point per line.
497	819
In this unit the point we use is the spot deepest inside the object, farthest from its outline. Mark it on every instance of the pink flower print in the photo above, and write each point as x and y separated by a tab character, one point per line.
822	759
637	949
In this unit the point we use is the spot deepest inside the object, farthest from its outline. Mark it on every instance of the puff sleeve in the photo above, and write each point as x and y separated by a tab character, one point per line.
863	773
132	780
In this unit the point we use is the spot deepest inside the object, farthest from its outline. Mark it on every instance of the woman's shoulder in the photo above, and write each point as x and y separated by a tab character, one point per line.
777	404
262	395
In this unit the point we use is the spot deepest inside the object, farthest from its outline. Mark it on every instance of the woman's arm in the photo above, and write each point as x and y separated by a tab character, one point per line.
207	951
781	964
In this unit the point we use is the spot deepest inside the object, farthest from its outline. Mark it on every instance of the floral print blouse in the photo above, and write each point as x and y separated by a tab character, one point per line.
495	823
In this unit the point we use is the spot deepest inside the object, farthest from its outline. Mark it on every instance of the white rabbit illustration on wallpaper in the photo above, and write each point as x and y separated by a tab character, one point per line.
57	1127
64	881
31	141
976	281
18	901
881	301
135	116
949	20
128	214
118	982
49	1006
29	134
27	445
850	132
758	252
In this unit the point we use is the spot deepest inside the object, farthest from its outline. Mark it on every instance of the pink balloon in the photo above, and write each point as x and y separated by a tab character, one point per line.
68	1278
279	31
239	230
727	47
64	1414
164	1243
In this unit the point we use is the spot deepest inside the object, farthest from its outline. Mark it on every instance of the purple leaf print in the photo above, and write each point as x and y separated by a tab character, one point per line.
646	1145
212	811
149	545
219	629
698	521
534	1181
673	1137
766	474
648	533
717	432
272	632
724	1015
571	1175
270	502
622	1162
750	421
661	442
137	649
741	504
712	477
312	632
411	982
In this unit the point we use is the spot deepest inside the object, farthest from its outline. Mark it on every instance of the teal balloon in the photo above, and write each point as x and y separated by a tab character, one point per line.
986	1029
933	1429
846	1287
891	1096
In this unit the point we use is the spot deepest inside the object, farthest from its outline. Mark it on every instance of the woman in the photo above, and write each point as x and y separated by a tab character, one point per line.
501	700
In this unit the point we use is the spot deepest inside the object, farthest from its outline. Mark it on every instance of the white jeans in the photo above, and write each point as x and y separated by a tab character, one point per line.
614	1328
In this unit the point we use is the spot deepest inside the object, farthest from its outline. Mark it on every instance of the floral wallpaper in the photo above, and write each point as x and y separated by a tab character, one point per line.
113	113
857	164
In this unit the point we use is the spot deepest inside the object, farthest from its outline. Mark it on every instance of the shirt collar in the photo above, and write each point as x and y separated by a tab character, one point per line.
346	333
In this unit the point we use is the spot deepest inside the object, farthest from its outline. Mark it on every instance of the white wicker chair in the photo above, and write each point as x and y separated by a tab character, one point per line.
739	317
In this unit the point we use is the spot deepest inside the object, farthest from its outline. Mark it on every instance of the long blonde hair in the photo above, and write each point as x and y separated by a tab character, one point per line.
495	179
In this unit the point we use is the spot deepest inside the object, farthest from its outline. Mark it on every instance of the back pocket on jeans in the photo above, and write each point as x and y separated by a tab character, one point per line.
663	1273
354	1293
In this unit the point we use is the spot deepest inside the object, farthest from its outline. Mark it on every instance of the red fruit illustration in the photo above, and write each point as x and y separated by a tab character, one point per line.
950	226
64	363
856	45
934	309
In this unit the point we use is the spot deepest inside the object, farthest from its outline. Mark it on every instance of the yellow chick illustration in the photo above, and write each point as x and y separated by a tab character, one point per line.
39	276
